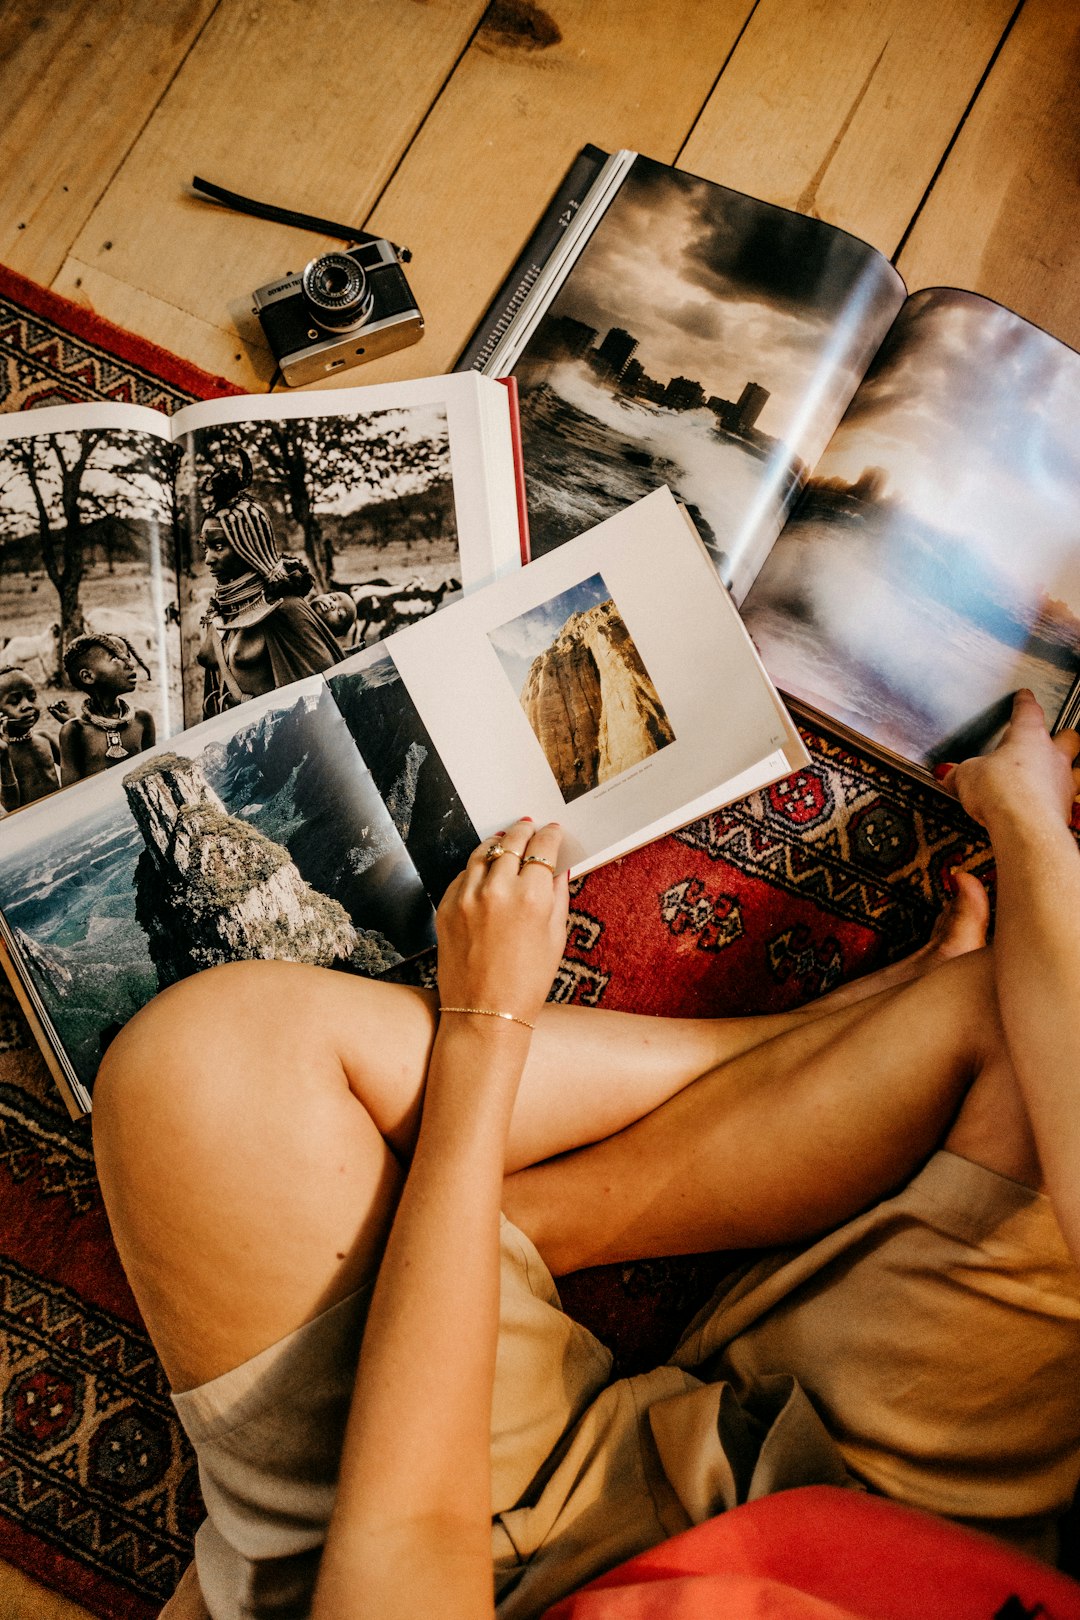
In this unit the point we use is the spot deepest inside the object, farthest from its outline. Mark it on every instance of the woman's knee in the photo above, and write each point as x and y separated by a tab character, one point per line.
243	1178
211	1028
206	1083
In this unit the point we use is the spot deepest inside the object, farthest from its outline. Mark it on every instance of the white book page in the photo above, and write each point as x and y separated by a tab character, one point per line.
77	418
481	452
713	713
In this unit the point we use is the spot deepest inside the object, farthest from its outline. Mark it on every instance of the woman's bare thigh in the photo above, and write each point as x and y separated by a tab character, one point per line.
252	1124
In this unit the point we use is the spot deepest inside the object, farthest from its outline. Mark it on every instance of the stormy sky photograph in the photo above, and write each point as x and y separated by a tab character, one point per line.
972	415
725	289
933	565
764	320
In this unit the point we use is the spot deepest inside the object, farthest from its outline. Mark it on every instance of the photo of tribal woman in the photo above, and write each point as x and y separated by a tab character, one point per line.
306	538
260	631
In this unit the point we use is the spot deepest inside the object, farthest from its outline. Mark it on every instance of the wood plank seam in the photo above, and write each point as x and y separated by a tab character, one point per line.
138	133
712	88
808	195
431	106
976	93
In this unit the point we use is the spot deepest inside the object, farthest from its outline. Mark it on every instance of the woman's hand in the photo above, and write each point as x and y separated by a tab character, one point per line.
1028	778
502	924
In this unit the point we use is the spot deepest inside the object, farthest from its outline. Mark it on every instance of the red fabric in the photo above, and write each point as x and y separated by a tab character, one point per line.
823	1554
826	1554
92	329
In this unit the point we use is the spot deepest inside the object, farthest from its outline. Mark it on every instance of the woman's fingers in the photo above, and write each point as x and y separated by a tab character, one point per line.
506	856
540	859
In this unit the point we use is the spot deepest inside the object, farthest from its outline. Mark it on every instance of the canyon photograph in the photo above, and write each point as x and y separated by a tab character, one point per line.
584	688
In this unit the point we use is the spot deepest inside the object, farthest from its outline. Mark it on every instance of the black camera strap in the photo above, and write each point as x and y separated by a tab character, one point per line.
289	216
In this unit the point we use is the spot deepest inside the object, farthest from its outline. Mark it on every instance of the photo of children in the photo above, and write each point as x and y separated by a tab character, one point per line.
583	686
88	605
29	758
108	728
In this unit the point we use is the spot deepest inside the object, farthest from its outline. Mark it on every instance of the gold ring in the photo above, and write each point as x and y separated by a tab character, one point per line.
496	849
538	860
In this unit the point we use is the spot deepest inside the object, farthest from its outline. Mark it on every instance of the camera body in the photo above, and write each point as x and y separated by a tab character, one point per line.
343	309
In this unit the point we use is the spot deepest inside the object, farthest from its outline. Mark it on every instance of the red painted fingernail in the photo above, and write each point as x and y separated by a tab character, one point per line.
525	818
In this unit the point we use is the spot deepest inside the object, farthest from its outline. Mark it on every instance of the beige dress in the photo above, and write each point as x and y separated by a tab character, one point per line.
927	1349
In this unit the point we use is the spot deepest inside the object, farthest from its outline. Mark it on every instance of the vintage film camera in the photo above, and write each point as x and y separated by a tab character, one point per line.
343	309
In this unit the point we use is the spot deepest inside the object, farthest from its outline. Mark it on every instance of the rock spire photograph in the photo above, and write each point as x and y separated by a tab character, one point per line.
584	687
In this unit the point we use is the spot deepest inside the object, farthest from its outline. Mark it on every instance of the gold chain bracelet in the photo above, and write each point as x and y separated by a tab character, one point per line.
489	1012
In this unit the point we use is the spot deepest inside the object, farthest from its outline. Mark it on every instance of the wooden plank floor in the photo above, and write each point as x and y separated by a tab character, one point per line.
946	132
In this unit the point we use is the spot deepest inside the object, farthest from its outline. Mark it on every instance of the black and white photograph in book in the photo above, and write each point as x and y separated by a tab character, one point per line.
307	538
932	566
89	644
583	686
703	340
405	766
259	834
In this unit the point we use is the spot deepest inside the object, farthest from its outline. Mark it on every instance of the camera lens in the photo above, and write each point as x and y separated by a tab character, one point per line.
337	291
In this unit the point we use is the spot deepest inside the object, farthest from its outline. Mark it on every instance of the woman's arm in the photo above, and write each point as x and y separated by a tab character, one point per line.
1023	793
410	1533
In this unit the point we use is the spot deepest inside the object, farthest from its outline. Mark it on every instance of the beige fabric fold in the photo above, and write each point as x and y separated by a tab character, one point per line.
928	1349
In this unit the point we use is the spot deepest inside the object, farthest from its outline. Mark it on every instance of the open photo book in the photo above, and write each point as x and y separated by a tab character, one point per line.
609	686
889	484
156	571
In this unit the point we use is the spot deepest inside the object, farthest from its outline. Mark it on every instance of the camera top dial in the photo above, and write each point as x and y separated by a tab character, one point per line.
336	291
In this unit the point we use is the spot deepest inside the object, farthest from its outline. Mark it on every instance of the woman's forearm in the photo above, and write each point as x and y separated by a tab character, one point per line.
410	1533
1023	793
411	1524
1037	959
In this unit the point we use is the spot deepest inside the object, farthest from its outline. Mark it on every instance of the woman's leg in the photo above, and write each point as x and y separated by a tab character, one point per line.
252	1123
783	1141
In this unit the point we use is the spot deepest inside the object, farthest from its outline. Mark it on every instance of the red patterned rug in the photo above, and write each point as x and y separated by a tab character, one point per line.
774	901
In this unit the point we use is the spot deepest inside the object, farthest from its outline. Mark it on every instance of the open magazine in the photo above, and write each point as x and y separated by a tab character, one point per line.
889	484
610	686
156	571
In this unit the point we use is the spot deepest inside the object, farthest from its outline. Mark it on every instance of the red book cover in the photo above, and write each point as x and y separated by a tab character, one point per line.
510	384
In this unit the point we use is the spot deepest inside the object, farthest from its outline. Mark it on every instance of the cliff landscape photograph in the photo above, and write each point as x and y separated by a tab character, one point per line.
585	691
932	565
364	501
703	340
260	835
